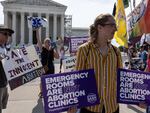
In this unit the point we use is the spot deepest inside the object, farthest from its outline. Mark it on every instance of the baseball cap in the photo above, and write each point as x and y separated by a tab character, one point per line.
6	30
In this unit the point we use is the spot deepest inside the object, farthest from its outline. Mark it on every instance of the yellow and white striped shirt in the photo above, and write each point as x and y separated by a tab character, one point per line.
105	68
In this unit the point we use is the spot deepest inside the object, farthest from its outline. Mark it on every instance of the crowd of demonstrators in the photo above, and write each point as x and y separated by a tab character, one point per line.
144	55
104	58
5	33
137	57
98	54
48	53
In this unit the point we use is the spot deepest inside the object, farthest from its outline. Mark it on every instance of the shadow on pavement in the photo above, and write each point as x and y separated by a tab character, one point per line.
39	107
134	109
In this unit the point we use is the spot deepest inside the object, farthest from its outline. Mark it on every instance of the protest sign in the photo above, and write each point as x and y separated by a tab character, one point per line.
69	63
75	42
21	66
133	87
62	91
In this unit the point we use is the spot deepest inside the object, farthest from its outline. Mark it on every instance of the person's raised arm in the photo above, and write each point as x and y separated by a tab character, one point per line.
39	43
56	54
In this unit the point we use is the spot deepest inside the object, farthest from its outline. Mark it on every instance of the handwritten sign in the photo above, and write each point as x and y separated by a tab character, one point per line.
133	87
21	66
62	91
69	64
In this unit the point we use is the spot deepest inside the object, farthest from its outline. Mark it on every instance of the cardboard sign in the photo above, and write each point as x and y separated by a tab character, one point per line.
69	64
62	91
21	66
133	87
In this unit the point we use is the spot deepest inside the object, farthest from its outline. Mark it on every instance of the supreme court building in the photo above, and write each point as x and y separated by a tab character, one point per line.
17	11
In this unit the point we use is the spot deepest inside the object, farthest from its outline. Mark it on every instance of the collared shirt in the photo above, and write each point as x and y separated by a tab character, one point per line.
105	67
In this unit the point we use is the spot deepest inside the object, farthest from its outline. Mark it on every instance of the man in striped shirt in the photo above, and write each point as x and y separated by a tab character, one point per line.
100	55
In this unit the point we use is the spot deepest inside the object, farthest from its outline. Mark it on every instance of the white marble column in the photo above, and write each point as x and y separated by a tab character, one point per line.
62	25
30	33
22	28
47	28
54	27
40	29
6	19
14	28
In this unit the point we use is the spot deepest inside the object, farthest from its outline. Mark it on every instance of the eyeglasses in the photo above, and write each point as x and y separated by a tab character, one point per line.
5	33
110	24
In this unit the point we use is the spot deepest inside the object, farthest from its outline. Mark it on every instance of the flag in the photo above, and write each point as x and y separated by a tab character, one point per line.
126	3
35	22
121	33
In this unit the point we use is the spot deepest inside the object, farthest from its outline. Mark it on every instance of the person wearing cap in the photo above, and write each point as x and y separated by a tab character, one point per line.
5	33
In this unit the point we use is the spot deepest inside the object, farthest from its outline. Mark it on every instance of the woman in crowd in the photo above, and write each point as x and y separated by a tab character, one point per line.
48	53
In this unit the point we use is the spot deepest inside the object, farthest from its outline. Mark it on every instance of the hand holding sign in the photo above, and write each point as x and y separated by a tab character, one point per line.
26	66
72	110
133	87
67	90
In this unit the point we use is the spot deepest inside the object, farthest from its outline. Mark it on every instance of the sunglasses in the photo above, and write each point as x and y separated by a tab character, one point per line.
110	24
5	33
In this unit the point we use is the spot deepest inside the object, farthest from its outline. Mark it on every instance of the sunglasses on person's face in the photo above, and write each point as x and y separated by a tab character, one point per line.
110	24
5	33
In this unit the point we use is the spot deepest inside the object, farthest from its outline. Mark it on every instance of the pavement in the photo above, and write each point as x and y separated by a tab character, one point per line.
24	99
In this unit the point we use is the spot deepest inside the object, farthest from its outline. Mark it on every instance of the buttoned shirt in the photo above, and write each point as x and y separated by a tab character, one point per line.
105	68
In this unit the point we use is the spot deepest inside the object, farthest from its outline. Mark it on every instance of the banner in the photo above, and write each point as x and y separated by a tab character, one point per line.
138	21
69	64
75	42
133	87
21	66
62	91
